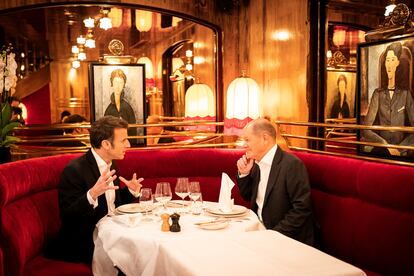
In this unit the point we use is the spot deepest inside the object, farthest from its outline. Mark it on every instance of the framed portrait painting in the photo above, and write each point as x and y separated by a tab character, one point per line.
385	96
340	94
119	90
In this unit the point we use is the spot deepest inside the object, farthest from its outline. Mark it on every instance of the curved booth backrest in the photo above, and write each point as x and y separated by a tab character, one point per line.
29	208
365	211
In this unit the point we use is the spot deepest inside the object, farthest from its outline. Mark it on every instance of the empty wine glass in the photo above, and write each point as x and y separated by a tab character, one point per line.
195	191
181	189
163	193
146	200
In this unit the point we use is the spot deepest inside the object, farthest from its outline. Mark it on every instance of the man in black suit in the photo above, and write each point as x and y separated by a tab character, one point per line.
89	189
276	183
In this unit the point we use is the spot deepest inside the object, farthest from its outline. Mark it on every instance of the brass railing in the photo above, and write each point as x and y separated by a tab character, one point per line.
34	139
334	133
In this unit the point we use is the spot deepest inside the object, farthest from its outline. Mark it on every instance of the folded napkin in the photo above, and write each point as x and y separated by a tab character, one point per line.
130	220
225	200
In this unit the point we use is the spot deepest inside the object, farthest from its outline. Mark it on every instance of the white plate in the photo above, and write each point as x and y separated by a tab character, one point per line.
215	225
133	208
236	210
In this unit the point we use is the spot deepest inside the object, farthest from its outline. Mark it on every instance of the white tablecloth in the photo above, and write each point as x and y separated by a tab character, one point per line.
235	250
250	253
135	250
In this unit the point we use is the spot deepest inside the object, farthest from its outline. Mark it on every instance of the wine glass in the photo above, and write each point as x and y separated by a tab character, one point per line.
181	189
195	191
146	201
163	193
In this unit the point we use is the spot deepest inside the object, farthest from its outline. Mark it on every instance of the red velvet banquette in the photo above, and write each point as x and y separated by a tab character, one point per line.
364	210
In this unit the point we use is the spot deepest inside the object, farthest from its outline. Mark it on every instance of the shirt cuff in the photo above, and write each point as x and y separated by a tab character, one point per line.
92	202
135	194
243	175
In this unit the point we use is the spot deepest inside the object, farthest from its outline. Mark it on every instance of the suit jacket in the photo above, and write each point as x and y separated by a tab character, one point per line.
75	240
287	205
386	111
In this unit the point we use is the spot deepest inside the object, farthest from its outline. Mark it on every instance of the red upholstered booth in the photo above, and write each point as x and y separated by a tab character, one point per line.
365	210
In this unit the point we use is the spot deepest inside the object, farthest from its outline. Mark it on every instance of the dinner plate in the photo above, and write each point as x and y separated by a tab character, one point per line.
133	208
236	210
214	225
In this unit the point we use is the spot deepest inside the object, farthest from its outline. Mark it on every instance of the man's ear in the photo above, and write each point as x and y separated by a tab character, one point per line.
106	144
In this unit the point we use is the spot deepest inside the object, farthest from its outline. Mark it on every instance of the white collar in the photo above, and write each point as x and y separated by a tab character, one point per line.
268	158
99	161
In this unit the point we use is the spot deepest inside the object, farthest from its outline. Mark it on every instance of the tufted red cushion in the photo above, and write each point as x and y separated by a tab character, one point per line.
365	211
29	208
203	165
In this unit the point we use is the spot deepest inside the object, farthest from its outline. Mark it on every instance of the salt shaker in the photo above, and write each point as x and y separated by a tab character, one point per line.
165	227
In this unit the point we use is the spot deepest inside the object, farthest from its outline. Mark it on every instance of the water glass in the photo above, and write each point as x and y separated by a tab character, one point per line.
146	201
195	193
163	193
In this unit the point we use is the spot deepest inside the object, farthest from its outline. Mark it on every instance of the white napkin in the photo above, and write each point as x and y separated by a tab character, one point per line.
225	200
130	220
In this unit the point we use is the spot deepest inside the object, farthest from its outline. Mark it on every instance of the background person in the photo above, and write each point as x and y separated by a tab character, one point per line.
276	183
156	130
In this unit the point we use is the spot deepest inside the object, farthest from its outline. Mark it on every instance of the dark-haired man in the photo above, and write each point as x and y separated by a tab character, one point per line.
276	183
89	189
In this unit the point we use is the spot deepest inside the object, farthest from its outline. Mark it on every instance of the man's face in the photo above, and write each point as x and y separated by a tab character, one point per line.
118	85
120	144
254	143
391	64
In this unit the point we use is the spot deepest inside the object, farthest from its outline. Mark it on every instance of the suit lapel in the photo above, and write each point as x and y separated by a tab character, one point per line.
96	174
93	165
274	173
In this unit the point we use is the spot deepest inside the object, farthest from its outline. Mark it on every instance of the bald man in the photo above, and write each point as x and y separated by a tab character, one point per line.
276	183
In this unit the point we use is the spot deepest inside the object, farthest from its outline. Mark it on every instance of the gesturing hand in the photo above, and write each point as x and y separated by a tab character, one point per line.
244	164
102	184
134	184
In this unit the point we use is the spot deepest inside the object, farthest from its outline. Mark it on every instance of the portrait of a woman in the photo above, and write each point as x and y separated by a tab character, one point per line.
119	106
340	106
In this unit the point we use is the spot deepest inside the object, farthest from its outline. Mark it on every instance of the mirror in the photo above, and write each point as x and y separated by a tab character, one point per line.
54	47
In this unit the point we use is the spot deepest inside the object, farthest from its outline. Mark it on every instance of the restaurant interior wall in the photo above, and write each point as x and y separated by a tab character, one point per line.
250	42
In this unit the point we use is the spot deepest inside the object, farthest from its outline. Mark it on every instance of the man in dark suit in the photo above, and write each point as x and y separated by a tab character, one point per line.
276	183
89	189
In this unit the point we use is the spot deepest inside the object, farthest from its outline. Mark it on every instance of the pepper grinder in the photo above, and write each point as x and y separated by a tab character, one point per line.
175	226
165	227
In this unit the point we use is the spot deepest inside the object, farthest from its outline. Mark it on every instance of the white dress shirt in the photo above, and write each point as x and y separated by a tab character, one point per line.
265	165
109	194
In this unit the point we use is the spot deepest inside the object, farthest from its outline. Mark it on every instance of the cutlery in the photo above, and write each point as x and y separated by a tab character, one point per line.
211	221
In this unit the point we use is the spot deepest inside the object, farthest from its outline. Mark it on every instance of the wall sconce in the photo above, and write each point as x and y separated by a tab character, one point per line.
75	49
143	20
81	40
75	64
105	22
90	42
89	22
243	104
199	105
